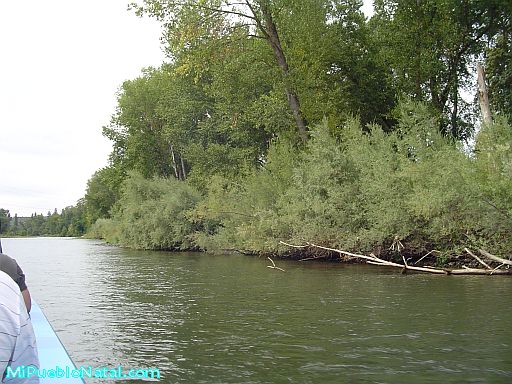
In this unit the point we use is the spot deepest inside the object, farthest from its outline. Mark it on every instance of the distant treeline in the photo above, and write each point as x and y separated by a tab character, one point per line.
302	120
70	222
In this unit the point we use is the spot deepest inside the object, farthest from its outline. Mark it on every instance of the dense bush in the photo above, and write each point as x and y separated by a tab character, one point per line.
493	194
104	229
243	213
151	214
361	189
355	188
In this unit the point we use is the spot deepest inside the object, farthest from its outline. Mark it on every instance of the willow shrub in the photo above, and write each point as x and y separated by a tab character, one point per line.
153	214
242	214
361	189
105	229
493	181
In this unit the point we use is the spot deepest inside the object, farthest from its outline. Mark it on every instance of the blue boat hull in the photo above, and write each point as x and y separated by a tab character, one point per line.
52	354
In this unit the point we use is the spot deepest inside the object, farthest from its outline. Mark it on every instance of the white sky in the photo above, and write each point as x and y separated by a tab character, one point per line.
61	64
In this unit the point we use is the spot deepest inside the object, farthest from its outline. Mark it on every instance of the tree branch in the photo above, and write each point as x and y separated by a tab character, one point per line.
495	258
258	21
372	259
219	10
478	259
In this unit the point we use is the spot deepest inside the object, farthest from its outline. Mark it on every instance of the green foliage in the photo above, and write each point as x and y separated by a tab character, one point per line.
138	130
494	177
104	229
70	222
222	118
361	189
499	72
153	214
103	190
431	47
5	220
243	214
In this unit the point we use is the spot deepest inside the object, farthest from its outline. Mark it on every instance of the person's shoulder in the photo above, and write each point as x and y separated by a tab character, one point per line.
8	265
7	260
10	294
3	256
6	282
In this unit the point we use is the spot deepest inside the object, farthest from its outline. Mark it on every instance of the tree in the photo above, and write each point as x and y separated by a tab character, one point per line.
103	190
5	220
357	80
188	23
499	68
169	125
431	47
138	131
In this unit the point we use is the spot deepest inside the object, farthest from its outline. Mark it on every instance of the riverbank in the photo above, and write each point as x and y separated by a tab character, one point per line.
396	256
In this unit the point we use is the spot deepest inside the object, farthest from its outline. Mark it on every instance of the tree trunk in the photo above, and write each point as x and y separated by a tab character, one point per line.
483	96
272	36
174	162
455	111
183	170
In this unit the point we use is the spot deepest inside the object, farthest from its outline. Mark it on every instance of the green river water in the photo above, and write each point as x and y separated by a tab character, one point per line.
203	318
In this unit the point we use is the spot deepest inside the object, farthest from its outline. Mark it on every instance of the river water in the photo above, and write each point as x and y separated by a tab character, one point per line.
203	318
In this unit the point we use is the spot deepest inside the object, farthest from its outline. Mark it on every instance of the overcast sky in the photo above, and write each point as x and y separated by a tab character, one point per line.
61	64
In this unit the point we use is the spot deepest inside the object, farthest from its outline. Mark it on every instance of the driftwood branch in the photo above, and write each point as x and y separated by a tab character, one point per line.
477	258
293	246
273	266
374	260
495	258
429	253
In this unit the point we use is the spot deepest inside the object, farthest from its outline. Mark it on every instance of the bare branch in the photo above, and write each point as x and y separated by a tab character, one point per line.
257	36
477	258
432	251
273	266
293	246
258	21
498	267
495	258
218	10
372	259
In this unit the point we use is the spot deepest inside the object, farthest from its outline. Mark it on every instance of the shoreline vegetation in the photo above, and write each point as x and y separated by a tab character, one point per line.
440	209
304	122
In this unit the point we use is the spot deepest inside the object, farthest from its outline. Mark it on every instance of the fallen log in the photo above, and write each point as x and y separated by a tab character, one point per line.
374	260
479	271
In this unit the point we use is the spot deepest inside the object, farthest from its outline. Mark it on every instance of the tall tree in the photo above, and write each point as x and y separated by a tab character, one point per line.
499	65
138	131
431	47
188	23
5	220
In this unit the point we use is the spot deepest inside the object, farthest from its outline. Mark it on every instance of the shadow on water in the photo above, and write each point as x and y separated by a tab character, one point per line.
229	319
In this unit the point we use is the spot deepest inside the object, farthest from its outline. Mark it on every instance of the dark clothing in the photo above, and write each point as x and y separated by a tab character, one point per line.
11	267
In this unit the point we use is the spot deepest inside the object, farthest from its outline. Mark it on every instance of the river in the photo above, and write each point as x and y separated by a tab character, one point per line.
203	318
